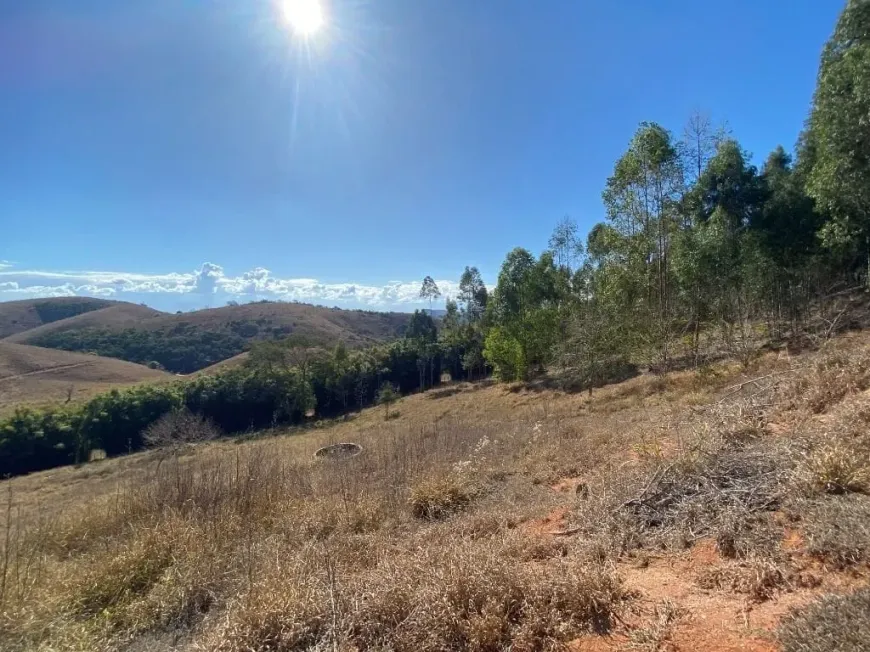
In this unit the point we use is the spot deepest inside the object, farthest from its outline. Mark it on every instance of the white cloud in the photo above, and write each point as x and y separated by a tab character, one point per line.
208	277
210	280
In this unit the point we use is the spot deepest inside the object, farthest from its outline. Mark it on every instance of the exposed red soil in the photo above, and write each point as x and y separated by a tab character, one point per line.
708	619
553	521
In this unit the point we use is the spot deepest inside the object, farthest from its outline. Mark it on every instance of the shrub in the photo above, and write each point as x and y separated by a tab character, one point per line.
437	498
387	395
758	578
179	427
504	353
462	598
838	528
833	623
835	469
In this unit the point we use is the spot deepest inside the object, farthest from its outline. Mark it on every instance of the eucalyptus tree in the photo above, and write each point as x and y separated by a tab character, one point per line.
839	135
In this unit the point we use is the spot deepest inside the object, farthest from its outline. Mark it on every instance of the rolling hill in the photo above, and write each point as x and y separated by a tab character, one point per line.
117	315
265	320
26	314
30	374
188	342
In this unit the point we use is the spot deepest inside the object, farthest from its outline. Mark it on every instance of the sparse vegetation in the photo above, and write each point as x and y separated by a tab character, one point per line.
760	579
31	375
259	545
835	468
835	623
838	529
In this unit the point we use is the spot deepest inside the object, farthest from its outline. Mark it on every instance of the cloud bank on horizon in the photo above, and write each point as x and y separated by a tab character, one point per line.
209	284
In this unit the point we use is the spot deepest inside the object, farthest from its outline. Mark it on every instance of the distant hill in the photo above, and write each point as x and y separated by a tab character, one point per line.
116	316
29	374
187	342
266	320
26	314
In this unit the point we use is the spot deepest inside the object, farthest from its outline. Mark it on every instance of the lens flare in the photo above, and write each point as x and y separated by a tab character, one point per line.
304	16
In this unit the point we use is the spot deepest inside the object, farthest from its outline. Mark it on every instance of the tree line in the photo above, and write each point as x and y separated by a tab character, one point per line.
271	389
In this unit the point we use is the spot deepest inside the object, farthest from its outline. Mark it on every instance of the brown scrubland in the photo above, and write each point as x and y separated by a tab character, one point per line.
720	509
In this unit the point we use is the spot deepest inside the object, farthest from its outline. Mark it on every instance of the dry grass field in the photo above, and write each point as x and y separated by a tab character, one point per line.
32	375
720	510
19	316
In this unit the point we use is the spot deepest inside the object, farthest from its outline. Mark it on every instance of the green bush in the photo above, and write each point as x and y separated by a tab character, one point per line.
505	354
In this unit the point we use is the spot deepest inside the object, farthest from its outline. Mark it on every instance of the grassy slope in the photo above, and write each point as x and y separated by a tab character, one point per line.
34	375
116	316
282	319
225	365
270	319
19	316
547	532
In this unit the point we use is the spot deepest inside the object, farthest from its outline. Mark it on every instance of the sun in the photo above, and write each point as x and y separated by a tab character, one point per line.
304	16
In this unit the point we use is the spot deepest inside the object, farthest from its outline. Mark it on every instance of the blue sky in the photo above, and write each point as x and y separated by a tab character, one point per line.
140	140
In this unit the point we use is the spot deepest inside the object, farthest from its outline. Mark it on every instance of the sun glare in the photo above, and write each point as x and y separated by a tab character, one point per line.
303	16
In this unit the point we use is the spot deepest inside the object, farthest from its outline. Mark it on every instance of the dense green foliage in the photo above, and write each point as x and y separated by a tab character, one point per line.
182	350
55	310
680	255
838	137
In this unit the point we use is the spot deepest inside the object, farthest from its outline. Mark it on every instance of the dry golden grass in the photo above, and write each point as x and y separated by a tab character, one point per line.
33	375
118	314
758	578
835	468
482	518
19	316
